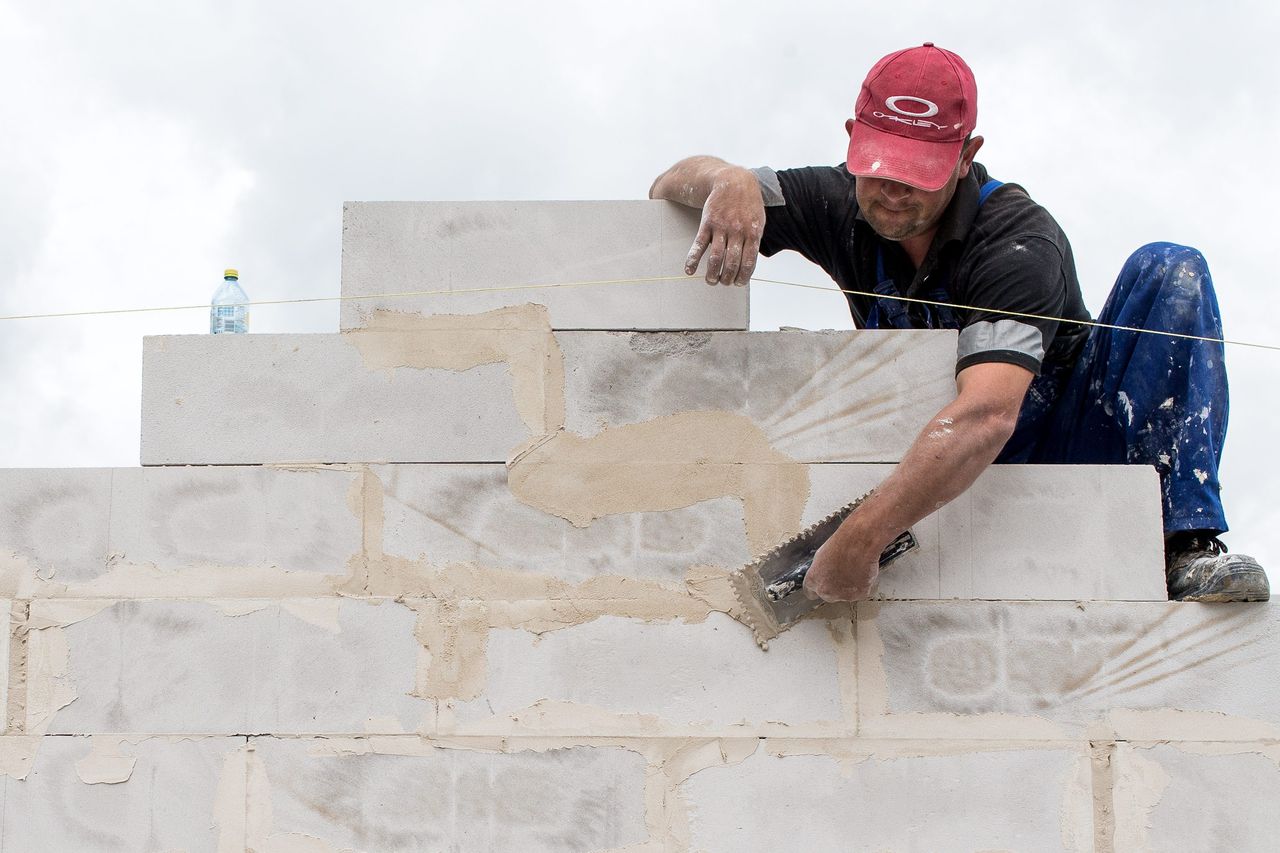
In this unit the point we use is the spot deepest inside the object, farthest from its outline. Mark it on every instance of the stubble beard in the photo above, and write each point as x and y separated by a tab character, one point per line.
896	228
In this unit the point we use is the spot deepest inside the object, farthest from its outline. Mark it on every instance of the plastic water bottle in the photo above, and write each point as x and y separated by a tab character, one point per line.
229	311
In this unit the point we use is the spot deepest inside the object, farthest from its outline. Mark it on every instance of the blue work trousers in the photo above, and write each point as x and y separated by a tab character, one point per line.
1143	399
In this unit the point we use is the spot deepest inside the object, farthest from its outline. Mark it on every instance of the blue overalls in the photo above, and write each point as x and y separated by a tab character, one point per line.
1130	398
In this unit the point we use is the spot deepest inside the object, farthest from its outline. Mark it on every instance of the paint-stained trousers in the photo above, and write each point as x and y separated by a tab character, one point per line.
1140	398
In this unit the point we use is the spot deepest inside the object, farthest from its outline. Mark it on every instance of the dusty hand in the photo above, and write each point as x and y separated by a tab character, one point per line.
732	222
841	573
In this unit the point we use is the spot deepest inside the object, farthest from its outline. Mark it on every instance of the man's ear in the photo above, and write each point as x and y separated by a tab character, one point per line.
848	126
966	156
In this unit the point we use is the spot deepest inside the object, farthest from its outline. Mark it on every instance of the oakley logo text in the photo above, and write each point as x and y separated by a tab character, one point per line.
914	122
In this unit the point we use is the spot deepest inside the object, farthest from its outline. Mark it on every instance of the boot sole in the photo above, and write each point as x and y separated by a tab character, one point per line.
1249	584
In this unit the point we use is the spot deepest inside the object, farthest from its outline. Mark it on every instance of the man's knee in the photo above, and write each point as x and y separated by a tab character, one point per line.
1171	264
1179	275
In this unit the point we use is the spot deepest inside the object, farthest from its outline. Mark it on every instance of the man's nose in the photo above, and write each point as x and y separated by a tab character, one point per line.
894	191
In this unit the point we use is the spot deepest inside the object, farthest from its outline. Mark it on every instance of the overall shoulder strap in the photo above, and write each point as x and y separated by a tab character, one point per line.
987	189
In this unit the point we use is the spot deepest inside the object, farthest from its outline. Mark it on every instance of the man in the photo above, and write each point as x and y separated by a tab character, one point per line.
911	214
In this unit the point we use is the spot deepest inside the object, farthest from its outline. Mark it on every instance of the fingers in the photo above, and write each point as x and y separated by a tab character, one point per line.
858	592
817	585
710	242
732	262
861	587
715	257
730	242
750	254
699	246
742	248
842	586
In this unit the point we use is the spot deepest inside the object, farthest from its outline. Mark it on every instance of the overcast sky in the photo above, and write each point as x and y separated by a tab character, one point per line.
147	145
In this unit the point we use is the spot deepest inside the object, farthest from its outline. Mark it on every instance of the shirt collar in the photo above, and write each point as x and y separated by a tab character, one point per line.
958	218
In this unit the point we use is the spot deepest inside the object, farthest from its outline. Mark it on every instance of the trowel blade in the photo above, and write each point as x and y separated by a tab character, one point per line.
770	587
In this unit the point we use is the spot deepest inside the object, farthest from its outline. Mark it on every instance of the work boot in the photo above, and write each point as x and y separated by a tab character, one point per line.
1198	568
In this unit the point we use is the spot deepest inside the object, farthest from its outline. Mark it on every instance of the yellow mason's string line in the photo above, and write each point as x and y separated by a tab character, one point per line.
646	280
1092	323
405	294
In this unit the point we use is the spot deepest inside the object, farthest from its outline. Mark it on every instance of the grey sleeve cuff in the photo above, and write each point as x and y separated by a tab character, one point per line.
1002	335
770	189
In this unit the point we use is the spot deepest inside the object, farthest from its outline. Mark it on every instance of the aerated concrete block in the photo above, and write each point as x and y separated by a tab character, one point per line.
1197	798
1098	538
700	678
1055	532
575	800
450	514
228	518
167	801
184	667
104	532
255	399
54	521
1021	532
816	397
456	247
890	799
1142	670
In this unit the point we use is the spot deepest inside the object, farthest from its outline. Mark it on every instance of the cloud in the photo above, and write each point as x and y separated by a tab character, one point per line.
151	144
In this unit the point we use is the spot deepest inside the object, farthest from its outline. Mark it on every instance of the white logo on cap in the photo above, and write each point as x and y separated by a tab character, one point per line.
930	108
915	119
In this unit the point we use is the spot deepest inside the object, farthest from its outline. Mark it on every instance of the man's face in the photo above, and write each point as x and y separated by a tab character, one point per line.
900	211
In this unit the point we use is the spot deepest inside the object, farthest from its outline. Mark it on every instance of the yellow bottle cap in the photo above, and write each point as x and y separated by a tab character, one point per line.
231	274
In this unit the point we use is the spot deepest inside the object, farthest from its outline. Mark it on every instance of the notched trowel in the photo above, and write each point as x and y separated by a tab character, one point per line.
771	587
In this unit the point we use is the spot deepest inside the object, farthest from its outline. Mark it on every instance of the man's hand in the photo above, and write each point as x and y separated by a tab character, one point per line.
729	235
732	215
842	571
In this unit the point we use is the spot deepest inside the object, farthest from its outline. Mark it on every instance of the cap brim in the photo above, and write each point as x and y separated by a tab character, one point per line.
925	165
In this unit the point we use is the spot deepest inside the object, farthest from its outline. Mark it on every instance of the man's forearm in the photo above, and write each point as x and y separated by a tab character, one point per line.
949	454
690	181
957	445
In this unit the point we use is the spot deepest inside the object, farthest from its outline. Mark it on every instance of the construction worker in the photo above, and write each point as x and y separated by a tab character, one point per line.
911	213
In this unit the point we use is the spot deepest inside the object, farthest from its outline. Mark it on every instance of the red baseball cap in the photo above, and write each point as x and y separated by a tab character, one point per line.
914	111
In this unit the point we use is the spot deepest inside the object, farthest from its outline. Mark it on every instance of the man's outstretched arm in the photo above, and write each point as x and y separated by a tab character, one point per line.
953	449
732	215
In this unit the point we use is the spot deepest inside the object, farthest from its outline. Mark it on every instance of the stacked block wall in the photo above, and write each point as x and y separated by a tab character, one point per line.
475	599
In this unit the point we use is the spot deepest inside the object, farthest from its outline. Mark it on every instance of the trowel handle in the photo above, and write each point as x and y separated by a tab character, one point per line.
905	541
790	582
793	580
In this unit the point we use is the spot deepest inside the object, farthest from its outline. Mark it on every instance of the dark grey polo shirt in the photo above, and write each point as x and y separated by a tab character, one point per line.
1008	255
